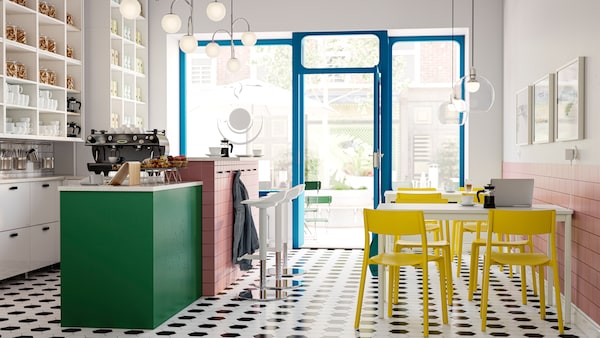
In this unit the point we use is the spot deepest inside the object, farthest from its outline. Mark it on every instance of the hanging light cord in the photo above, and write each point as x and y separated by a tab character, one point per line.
472	33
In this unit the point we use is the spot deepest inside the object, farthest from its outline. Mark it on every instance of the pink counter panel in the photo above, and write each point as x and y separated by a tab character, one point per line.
218	270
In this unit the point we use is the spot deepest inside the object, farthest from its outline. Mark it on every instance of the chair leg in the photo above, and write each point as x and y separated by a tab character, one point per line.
473	270
448	272
444	291
559	315
543	294
484	293
535	289
392	286
425	290
459	248
361	291
524	284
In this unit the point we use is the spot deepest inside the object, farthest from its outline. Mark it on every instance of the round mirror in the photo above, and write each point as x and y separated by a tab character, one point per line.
240	120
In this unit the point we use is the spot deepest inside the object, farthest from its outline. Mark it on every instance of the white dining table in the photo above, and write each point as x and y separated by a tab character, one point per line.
455	211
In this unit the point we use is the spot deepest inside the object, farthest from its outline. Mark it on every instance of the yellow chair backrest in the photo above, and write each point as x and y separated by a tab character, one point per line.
418	189
395	222
522	222
421	200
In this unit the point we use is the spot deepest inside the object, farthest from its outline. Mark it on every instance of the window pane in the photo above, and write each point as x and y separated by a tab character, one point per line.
340	51
425	136
252	107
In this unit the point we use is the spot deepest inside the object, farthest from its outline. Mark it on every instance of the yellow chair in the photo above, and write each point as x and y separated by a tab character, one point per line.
501	244
400	223
418	189
433	226
523	223
458	230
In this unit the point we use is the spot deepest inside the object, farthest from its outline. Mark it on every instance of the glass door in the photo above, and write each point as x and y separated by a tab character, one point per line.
337	136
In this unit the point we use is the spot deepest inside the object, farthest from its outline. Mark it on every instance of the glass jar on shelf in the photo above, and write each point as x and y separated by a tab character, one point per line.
21	70
44	75
43	7
52	77
51	44
21	35
43	40
11	32
11	69
69	51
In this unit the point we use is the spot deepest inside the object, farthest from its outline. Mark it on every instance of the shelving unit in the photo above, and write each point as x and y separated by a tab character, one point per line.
36	60
118	94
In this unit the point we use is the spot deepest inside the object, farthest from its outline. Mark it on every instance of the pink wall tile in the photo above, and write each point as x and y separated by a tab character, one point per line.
578	188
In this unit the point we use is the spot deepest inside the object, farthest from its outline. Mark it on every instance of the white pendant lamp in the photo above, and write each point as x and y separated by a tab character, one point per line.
188	43
215	11
171	23
248	39
130	9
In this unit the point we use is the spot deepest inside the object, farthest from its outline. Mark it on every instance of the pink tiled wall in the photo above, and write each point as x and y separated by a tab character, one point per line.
218	270
576	187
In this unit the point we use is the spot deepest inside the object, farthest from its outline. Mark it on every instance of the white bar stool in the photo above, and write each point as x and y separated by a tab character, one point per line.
262	293
283	222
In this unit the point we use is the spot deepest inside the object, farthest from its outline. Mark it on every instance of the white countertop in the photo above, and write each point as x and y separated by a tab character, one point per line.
127	188
232	158
31	179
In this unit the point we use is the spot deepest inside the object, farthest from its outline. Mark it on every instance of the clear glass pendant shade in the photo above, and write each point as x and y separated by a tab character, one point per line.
479	101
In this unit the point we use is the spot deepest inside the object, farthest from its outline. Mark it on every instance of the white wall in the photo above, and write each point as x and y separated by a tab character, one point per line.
484	130
539	37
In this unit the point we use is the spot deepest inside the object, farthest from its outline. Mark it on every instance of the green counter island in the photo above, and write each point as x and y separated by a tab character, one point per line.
130	255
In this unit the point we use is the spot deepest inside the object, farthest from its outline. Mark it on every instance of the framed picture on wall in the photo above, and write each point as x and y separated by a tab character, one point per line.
543	110
570	100
523	115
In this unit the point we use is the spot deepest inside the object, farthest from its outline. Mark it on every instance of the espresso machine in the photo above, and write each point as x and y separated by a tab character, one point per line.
110	150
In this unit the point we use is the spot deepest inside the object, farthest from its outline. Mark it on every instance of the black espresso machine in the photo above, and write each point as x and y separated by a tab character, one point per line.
110	150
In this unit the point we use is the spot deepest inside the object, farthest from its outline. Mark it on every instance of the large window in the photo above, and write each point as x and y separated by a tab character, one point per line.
425	142
425	136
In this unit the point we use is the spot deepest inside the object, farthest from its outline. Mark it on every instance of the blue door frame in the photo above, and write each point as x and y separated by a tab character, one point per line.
382	172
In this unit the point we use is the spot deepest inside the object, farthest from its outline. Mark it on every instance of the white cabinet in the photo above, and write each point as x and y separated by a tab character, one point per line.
41	49
14	252
45	245
29	226
120	87
44	202
14	203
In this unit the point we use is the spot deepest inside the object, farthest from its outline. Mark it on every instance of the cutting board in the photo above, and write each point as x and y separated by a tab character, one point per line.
131	169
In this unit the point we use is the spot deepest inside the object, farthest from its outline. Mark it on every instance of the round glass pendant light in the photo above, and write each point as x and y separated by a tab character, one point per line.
188	43
130	9
215	11
171	23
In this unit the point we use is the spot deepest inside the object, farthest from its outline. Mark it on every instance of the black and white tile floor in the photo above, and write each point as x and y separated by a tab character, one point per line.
323	307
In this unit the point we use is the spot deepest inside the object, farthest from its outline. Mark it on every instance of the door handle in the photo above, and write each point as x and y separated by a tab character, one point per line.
377	159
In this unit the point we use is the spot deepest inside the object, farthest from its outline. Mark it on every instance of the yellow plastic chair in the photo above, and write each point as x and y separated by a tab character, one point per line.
417	189
399	223
523	223
500	244
433	226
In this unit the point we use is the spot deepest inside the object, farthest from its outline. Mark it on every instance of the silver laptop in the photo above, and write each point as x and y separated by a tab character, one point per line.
513	192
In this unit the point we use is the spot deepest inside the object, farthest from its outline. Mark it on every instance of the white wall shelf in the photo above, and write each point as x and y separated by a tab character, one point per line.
119	90
20	92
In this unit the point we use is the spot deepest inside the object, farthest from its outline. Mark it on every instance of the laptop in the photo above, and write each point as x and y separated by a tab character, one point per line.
513	192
